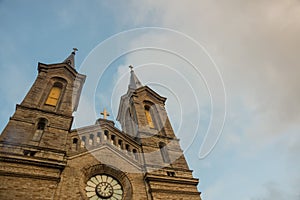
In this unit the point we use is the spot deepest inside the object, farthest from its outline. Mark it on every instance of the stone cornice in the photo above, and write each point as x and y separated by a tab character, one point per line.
175	192
36	162
44	111
34	176
31	146
168	179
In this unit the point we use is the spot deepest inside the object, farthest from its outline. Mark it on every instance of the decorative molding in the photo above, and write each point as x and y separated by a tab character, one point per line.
32	146
46	67
168	168
33	176
167	179
175	192
53	113
36	162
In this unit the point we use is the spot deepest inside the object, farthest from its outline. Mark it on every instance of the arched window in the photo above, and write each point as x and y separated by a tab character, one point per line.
149	117
164	152
54	94
75	143
40	128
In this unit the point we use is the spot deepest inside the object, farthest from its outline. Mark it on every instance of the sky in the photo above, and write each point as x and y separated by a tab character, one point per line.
230	70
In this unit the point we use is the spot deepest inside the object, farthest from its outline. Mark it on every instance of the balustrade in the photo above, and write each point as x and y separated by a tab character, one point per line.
104	137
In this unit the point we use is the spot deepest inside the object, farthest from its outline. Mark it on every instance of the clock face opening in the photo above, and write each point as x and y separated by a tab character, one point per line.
103	187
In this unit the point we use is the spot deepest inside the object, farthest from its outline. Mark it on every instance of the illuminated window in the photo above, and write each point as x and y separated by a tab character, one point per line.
54	94
149	117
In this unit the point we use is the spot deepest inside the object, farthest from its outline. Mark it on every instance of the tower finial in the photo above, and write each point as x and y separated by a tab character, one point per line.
131	68
70	60
74	50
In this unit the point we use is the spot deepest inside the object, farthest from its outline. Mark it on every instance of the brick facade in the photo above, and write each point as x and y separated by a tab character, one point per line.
42	158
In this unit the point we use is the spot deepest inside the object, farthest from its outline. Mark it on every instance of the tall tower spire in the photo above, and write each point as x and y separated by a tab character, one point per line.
142	114
134	82
51	101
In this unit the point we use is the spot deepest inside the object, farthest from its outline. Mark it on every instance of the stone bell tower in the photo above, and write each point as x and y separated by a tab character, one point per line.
142	114
33	144
41	158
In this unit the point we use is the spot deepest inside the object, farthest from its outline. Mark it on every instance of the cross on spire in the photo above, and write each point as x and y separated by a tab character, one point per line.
70	60
104	113
131	68
74	50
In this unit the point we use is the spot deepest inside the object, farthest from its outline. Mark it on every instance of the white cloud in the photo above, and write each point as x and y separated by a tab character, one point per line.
273	191
256	46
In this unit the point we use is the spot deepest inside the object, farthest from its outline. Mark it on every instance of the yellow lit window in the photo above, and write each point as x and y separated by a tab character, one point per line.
149	117
53	96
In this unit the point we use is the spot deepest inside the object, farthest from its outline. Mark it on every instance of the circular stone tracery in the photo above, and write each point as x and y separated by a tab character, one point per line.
103	187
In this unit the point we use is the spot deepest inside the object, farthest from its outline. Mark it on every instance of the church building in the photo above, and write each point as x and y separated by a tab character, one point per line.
42	158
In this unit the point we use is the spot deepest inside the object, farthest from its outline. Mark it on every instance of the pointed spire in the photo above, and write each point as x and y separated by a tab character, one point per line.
134	81
71	59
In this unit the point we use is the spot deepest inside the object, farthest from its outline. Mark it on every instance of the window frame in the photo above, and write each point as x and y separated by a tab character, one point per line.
39	129
59	86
